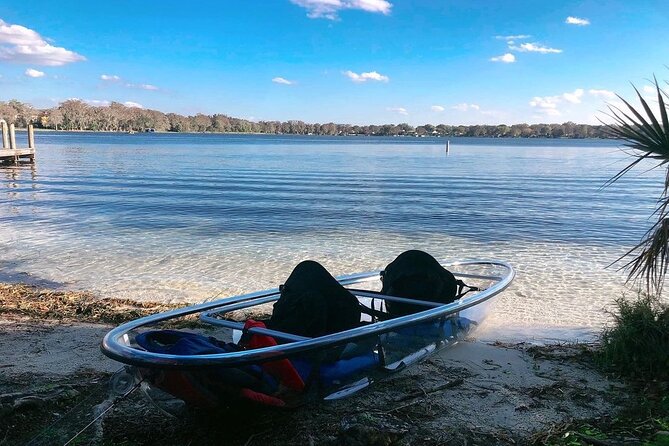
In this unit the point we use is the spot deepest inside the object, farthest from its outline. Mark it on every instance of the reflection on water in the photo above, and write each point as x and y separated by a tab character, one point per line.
182	217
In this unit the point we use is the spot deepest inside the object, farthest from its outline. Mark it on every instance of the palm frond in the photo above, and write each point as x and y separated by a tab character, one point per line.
651	257
647	135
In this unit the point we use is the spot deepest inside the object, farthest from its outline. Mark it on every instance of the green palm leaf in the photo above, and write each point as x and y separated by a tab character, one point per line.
647	137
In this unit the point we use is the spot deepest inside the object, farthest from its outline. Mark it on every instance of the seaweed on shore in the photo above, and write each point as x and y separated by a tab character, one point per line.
81	306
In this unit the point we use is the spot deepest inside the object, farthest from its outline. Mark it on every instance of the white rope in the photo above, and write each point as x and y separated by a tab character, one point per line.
117	400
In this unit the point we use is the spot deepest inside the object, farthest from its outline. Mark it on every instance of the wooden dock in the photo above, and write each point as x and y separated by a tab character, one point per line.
10	153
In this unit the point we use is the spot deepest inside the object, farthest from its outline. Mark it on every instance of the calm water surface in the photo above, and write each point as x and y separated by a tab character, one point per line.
185	217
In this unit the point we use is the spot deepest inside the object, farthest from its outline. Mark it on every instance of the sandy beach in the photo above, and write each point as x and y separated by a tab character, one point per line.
472	393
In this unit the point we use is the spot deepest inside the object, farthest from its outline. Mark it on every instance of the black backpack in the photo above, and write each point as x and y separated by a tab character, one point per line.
313	303
417	275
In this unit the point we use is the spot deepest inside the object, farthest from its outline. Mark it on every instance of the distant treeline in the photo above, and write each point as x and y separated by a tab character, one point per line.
78	115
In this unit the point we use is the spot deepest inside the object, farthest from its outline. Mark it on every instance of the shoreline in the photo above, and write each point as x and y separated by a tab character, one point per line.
410	137
75	113
500	393
46	300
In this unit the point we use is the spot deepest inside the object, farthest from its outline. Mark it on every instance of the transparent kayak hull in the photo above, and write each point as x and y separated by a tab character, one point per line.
332	366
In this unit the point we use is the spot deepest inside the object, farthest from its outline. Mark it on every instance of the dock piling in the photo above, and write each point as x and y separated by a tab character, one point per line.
12	137
5	134
31	136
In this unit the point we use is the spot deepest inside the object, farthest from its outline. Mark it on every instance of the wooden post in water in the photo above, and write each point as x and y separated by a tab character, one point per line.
31	142
31	136
5	134
12	137
12	142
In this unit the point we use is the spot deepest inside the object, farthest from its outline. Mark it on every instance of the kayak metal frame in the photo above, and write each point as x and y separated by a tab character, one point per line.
116	343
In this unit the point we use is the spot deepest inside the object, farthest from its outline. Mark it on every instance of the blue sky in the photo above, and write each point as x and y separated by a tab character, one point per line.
355	61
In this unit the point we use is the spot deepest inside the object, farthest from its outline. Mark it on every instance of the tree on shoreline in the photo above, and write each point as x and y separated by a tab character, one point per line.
75	114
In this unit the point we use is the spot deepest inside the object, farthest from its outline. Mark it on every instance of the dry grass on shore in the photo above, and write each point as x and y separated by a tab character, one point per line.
81	306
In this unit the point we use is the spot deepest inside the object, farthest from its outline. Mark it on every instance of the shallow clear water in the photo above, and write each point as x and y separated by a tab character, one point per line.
185	217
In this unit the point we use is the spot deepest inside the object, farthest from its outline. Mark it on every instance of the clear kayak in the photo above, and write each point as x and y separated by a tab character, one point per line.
283	369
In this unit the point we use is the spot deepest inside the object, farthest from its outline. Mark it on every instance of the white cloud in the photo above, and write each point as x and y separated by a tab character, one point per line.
281	80
113	78
545	103
550	105
110	77
516	37
574	97
400	110
23	45
603	93
364	77
106	103
577	21
649	89
506	58
465	107
329	9
437	108
30	72
143	86
94	102
534	48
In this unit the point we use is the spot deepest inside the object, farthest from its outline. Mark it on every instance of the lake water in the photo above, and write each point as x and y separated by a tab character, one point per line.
183	217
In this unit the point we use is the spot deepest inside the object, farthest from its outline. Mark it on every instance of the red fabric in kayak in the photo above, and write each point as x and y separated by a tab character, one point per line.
281	369
180	385
261	398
